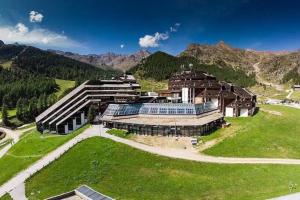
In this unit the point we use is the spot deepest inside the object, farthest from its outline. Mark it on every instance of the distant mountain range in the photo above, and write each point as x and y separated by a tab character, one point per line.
268	67
108	60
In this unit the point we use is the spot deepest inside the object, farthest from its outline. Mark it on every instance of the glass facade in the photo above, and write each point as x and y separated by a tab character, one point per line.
159	109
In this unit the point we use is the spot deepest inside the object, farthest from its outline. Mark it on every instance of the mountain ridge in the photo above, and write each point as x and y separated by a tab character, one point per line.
108	60
273	66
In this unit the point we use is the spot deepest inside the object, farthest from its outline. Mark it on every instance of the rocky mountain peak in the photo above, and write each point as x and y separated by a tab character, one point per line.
223	45
1	43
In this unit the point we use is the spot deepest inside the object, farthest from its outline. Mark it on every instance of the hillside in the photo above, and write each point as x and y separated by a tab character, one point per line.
28	79
159	66
108	60
271	66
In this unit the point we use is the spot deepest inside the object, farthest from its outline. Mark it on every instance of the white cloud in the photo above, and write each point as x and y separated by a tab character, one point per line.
37	36
122	46
21	29
35	16
175	27
152	40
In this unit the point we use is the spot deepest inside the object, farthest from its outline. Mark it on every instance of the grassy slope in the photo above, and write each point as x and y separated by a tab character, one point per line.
152	85
63	86
29	149
126	173
268	92
264	135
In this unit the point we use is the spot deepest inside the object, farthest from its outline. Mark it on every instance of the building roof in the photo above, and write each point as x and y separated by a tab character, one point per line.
81	193
166	120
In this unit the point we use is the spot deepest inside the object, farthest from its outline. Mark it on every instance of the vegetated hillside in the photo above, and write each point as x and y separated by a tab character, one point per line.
160	66
27	78
52	65
108	60
272	66
17	83
282	67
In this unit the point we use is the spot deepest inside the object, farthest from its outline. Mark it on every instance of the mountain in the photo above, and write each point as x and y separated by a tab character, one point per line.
108	60
1	43
45	63
268	66
160	66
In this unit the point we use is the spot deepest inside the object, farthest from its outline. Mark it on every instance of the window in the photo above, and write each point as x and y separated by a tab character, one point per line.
172	111
163	111
180	111
153	110
189	111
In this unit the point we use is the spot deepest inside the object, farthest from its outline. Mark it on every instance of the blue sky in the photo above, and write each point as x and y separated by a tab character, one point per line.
92	26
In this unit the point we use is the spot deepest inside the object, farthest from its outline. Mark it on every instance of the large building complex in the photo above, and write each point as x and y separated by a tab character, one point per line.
70	112
194	104
198	87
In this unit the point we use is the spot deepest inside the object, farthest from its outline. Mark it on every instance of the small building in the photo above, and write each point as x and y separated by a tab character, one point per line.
81	193
296	87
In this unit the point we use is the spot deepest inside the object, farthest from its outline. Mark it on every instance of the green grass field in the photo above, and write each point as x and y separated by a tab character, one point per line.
264	135
63	86
122	172
29	149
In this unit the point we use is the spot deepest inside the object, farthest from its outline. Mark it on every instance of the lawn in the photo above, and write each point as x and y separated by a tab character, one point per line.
63	86
122	172
267	134
29	149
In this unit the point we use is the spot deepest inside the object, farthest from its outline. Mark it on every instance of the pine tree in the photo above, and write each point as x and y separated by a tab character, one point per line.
92	113
5	120
19	109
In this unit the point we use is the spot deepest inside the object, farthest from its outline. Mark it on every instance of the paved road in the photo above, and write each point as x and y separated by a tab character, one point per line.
295	196
40	164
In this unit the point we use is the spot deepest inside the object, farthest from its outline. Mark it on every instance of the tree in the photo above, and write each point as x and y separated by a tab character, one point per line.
92	113
32	108
19	109
5	120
